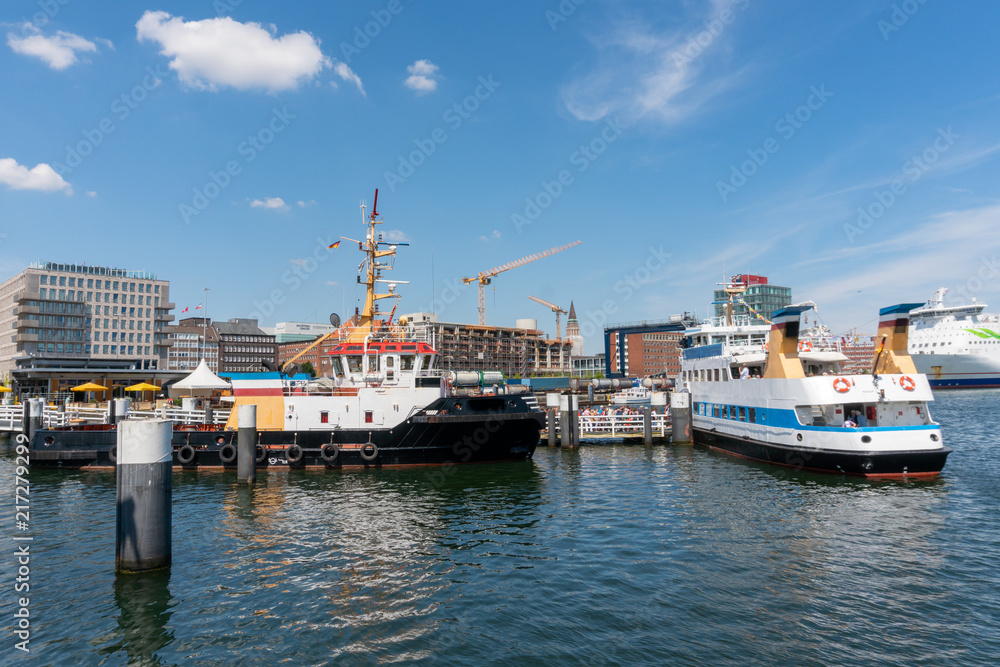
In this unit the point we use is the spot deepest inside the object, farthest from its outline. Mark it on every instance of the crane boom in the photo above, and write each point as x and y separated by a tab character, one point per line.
486	277
555	309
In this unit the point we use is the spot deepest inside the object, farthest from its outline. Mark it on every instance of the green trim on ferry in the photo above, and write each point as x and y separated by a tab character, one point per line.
983	333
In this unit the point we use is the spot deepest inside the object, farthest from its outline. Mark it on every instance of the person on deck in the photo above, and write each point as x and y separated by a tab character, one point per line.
744	373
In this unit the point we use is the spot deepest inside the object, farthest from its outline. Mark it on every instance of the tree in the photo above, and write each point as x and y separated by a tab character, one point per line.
307	367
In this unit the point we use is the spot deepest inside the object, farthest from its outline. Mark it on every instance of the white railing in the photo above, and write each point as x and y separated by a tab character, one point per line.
614	426
11	416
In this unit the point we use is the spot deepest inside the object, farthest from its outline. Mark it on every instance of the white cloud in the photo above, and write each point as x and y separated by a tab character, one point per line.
40	177
91	193
303	204
662	74
423	76
59	51
222	52
347	74
492	237
332	283
275	203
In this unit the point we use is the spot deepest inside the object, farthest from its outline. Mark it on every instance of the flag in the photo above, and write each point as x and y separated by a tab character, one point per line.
198	307
333	245
184	311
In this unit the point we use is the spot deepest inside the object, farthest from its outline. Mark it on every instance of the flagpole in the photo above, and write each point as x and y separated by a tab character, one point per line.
204	328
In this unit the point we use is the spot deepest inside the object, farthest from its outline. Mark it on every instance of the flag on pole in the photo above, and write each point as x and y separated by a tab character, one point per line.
184	311
198	307
333	245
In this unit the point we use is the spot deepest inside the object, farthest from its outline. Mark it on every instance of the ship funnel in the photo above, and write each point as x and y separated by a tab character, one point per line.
783	344
891	355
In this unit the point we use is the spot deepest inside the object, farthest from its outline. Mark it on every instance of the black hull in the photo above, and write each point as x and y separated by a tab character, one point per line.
441	439
917	463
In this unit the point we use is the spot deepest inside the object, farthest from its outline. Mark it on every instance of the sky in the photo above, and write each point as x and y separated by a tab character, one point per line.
847	150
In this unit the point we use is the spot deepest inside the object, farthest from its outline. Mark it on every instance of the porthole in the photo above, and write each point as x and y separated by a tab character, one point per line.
798	436
866	439
934	437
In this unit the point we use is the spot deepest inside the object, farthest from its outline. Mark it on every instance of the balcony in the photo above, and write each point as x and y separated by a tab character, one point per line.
163	316
26	338
168	305
28	295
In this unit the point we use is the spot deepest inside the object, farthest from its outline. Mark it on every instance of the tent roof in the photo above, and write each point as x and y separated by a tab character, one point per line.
201	378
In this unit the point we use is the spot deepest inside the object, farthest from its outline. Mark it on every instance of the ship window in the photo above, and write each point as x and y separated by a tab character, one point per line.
716	410
751	413
369	416
324	417
389	362
716	374
353	364
406	362
743	414
732	412
337	370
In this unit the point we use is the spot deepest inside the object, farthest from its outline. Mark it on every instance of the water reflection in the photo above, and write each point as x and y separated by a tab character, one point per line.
145	604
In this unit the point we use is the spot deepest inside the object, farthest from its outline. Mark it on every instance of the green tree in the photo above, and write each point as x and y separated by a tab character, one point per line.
307	367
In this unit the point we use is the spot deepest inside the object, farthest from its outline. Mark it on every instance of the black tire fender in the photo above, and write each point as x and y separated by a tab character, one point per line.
369	451
186	455
293	454
329	452
227	453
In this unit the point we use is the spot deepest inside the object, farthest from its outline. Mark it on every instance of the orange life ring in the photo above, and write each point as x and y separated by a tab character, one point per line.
805	346
841	385
766	346
907	383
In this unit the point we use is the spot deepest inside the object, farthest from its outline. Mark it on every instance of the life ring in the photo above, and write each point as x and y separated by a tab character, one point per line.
805	346
329	452
907	383
113	453
369	451
227	453
767	346
186	455
842	385
260	454
293	454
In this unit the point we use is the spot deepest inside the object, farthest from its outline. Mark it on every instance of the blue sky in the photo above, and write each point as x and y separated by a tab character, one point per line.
848	150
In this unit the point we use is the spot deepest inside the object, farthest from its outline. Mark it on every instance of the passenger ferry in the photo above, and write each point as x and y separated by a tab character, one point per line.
956	346
795	408
385	405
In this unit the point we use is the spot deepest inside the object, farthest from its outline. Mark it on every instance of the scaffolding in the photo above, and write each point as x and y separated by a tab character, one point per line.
512	351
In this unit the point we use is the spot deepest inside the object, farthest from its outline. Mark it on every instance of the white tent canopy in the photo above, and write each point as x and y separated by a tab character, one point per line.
201	382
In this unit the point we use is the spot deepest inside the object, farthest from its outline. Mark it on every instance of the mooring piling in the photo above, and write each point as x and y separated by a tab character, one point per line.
246	446
144	489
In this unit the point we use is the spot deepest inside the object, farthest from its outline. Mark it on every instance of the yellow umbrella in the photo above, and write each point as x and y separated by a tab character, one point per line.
4	390
90	386
142	386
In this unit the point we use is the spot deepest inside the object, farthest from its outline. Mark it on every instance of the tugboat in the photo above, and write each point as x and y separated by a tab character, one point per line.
794	407
385	404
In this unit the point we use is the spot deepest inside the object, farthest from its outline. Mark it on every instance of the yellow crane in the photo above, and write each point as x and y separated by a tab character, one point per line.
555	309
486	277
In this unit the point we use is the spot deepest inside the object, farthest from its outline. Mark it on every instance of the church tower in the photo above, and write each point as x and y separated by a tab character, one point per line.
573	332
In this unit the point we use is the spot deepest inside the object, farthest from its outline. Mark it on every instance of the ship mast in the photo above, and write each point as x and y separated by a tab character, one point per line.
732	290
376	253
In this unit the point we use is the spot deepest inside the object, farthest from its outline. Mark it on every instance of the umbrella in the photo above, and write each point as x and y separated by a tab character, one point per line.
90	386
142	386
4	390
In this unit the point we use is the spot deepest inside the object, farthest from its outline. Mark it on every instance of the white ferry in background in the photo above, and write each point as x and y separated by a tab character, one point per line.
794	406
956	346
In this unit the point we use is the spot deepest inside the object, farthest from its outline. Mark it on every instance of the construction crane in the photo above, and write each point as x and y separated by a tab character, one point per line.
486	277
555	309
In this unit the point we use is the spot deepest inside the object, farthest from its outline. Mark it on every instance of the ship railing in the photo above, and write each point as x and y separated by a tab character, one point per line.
54	417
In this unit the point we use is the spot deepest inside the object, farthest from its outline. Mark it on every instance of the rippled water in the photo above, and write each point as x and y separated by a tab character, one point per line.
608	555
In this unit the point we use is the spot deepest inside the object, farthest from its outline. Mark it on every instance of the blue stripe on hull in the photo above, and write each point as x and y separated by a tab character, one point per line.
970	383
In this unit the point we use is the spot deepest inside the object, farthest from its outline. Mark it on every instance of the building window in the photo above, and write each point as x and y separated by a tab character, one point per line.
324	417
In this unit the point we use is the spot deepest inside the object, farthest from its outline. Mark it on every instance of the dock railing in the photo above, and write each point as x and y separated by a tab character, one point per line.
52	417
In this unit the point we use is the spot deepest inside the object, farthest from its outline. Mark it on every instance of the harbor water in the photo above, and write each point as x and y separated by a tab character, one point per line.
605	555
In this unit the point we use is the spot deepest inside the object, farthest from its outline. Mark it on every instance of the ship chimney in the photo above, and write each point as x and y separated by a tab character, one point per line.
891	354
783	345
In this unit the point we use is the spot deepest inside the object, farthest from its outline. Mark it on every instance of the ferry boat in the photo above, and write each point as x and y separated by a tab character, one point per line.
795	408
956	346
385	405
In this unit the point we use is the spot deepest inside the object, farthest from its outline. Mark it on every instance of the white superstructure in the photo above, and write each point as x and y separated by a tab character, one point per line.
956	346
